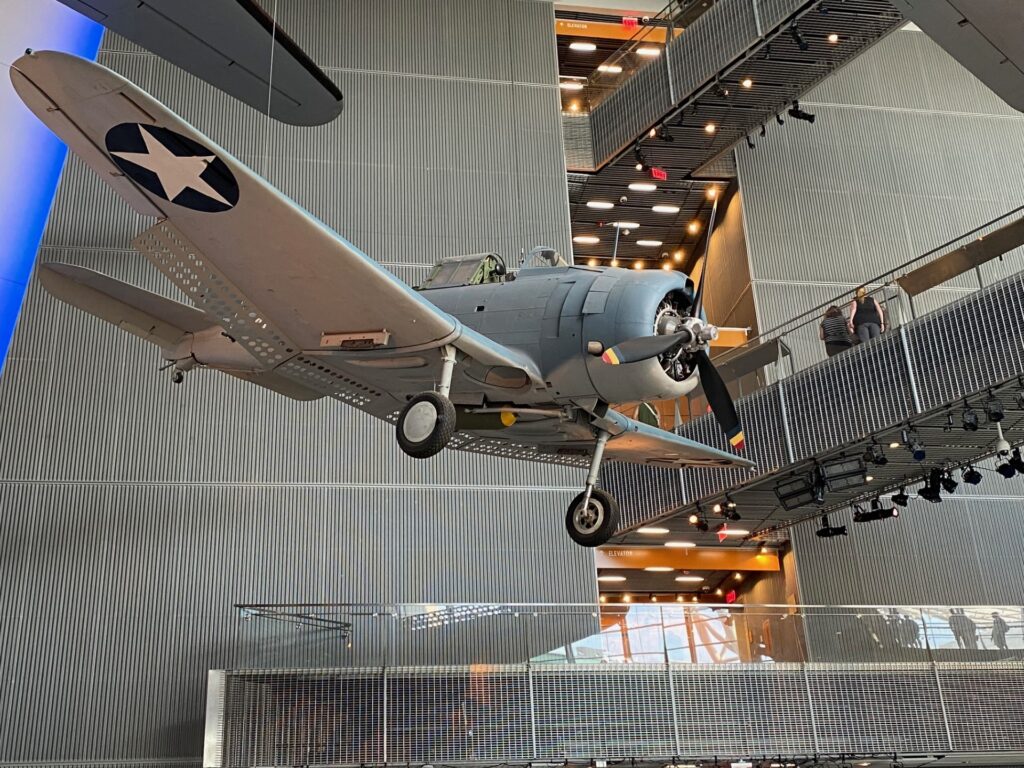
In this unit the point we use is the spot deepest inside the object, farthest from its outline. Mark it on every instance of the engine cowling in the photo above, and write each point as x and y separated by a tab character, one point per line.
639	304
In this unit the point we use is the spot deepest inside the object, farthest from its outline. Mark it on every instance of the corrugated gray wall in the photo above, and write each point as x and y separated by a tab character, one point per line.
908	151
136	513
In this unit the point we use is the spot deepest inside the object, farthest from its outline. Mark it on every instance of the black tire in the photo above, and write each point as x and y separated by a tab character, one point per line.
596	529
416	436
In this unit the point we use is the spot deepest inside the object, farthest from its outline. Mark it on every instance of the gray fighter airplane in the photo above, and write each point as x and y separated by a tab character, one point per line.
517	363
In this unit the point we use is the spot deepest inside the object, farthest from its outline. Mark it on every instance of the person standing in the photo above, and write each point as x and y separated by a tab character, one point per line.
834	331
867	319
999	630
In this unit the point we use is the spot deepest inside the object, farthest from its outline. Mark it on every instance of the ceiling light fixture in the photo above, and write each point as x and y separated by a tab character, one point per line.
693	227
677	257
711	193
689	579
932	489
651	530
579	45
833	38
827	531
659	569
665	208
798	114
994	408
648	51
603	205
643	186
625	224
798	38
900	499
746	82
971	476
610	579
592	263
638	264
612	69
680	544
667	266
649	243
710	128
571	85
586	240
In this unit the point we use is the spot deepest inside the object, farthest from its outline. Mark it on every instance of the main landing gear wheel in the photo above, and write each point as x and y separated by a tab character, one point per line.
591	525
426	424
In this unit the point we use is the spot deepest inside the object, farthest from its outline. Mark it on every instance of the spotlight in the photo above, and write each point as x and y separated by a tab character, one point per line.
875	455
844	472
763	131
779	120
798	38
913	444
1006	469
931	489
993	408
878	512
969	418
948	483
798	114
900	499
1016	462
664	135
828	531
750	143
699	523
971	476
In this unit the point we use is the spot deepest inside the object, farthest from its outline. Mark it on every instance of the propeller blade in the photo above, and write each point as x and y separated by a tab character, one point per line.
643	348
719	399
698	297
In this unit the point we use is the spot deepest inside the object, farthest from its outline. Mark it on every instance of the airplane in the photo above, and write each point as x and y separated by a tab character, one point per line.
521	363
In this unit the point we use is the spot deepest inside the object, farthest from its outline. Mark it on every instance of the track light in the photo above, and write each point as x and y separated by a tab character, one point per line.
913	443
969	418
971	476
798	38
828	531
779	120
699	522
664	135
1019	397
877	512
798	114
994	408
949	485
931	489
1006	469
750	143
900	499
763	131
1016	462
875	455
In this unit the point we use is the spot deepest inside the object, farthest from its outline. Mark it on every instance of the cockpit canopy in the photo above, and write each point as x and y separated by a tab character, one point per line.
472	269
483	268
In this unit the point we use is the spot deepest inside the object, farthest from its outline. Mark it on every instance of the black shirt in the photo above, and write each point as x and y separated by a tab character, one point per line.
867	312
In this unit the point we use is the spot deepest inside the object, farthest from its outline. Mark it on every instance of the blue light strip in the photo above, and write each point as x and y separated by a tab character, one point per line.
32	157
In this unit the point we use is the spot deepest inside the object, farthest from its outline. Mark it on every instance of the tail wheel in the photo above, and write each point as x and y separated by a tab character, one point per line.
426	425
591	525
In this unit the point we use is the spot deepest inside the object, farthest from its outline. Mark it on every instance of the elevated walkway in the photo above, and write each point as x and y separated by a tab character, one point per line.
656	685
911	384
701	52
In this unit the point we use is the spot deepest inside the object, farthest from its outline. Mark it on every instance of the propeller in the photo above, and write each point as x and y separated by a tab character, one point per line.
694	334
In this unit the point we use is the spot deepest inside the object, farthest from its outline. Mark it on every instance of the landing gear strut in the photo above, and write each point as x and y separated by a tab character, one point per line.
427	423
593	516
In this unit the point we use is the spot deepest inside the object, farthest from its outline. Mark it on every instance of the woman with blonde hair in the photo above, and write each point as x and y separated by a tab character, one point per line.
867	319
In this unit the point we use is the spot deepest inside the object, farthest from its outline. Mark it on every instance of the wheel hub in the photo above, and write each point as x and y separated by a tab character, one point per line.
419	422
588	519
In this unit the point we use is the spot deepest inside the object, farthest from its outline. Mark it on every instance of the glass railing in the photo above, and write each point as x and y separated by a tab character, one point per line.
339	635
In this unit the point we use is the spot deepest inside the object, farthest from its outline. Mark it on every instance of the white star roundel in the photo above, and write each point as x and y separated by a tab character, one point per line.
173	167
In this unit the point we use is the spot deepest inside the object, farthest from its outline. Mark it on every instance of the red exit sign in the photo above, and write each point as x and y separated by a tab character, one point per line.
659	174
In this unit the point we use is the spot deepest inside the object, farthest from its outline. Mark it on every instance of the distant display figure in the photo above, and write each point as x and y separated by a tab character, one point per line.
834	331
999	630
867	318
965	631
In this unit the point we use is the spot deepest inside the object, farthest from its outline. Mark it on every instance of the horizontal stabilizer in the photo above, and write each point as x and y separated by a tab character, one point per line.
147	315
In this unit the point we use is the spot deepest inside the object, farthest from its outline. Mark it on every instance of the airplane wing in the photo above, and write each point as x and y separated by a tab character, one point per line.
305	303
232	44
